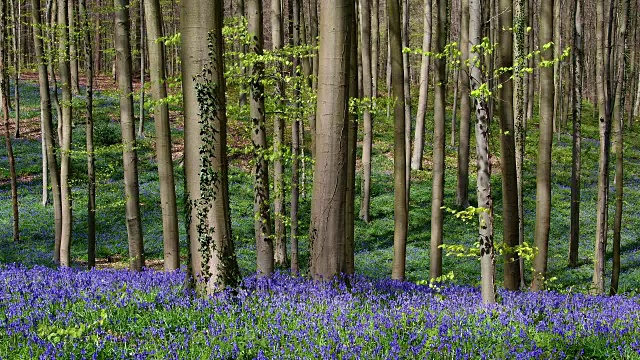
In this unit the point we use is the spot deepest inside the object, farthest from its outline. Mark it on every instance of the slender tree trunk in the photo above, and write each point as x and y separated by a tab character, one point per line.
519	110
577	57
375	45
543	175
456	79
462	188
400	202
367	84
407	100
47	126
485	235
4	88
91	172
51	20
352	142
604	114
327	228
15	41
65	135
507	150
211	252
277	40
298	23
264	240
531	64
127	123
437	198
617	141
557	38
170	233
73	54
418	141
141	117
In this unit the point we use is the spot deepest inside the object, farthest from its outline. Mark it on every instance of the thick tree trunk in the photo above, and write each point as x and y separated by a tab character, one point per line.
327	228
170	233
262	223
437	198
507	150
400	202
604	114
47	126
543	174
91	171
65	136
577	57
277	40
418	141
127	124
485	231
211	252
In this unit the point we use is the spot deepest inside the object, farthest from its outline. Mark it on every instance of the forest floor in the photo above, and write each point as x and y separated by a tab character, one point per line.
373	241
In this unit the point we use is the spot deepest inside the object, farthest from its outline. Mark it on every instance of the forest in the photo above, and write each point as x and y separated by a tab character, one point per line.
339	179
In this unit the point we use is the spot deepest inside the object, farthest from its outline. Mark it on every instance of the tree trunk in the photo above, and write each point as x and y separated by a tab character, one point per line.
352	142
407	100
485	232
577	57
73	56
170	233
211	251
298	23
437	198
462	189
375	45
15	41
367	84
65	139
47	126
4	89
543	174
277	40
557	39
262	223
400	203
418	141
91	172
604	114
127	123
618	145
327	228
519	110
531	64
141	118
507	150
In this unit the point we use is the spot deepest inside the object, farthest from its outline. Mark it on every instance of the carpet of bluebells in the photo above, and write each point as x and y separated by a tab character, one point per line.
109	314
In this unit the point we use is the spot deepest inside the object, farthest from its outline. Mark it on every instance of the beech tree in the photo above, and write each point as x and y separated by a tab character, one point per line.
543	173
367	85
418	142
211	251
462	190
327	228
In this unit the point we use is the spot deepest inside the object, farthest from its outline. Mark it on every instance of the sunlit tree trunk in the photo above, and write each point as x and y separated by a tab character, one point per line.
437	198
141	116
327	228
577	58
418	141
543	174
367	84
65	133
170	234
211	252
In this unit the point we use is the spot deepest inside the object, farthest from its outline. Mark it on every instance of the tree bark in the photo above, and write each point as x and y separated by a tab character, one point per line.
400	203
543	174
170	233
519	110
127	124
462	189
327	228
418	141
352	142
367	84
277	40
73	56
262	223
141	117
507	150
65	140
211	252
576	164
15	41
375	45
406	81
437	198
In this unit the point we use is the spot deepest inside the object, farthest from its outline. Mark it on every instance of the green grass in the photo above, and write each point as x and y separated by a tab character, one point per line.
373	240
